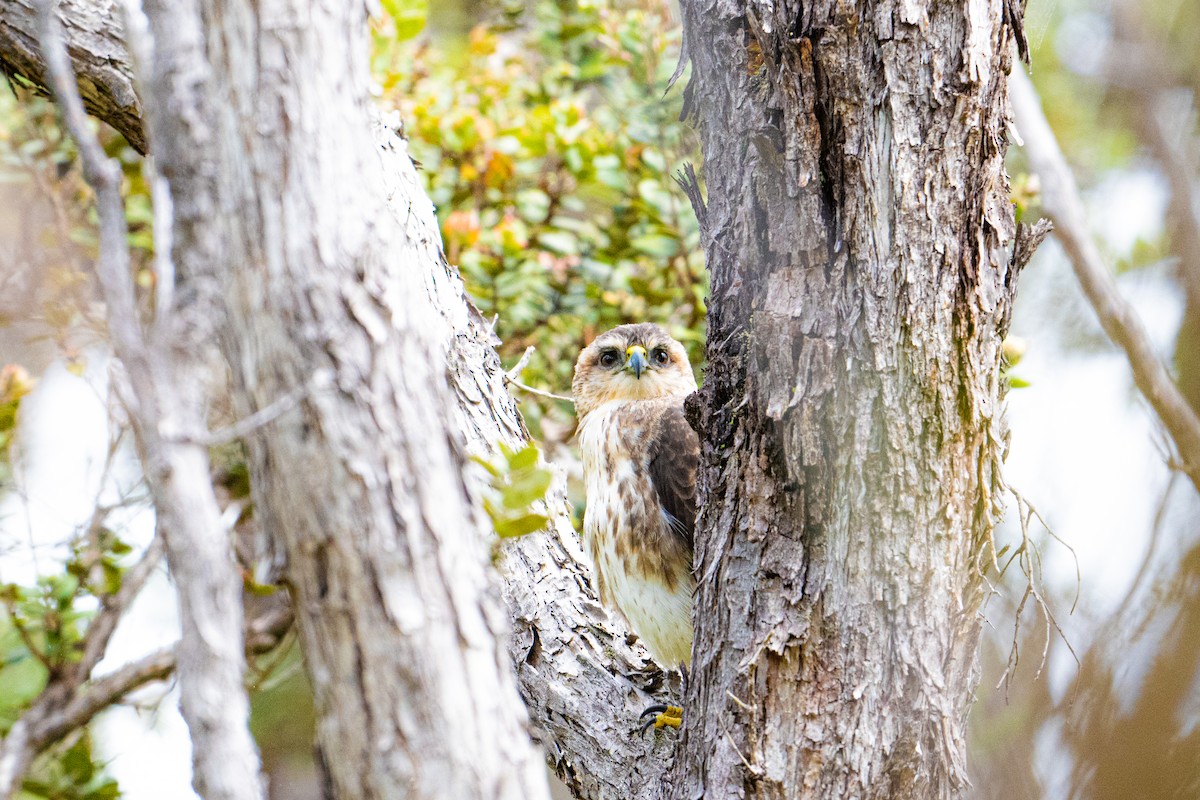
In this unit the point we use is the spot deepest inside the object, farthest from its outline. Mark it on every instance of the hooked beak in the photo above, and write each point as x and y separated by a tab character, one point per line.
637	360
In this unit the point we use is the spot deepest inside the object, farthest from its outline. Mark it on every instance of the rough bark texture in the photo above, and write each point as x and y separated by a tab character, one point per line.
164	400
96	43
261	125
858	235
581	676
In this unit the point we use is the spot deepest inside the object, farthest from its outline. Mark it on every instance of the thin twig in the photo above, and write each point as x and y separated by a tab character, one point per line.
100	629
1060	198
1029	556
515	373
511	378
538	392
264	416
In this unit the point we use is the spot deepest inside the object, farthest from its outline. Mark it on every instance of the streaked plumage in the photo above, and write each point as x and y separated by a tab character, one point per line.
639	462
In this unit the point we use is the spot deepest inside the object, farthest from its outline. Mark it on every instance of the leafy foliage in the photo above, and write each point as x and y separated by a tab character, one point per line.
548	147
518	485
74	775
15	383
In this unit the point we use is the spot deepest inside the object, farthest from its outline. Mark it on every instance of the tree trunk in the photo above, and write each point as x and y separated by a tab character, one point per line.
260	121
859	234
582	680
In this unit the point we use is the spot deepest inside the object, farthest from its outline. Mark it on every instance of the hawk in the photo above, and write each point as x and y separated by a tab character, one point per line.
639	464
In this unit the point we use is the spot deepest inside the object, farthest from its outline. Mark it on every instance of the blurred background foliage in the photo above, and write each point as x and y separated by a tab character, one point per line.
548	138
1119	717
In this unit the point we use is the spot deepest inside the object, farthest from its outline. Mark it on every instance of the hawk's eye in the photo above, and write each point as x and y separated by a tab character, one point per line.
609	358
660	356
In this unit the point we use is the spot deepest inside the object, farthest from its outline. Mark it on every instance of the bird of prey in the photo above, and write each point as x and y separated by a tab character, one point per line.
639	464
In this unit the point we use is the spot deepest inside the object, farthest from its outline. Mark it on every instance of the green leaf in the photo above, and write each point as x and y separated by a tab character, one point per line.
527	489
109	790
559	242
112	577
492	469
1018	383
408	16
519	526
78	761
64	587
524	458
656	245
21	681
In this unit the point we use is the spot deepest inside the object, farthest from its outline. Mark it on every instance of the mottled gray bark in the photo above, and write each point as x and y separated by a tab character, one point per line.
858	233
96	43
581	677
165	400
260	122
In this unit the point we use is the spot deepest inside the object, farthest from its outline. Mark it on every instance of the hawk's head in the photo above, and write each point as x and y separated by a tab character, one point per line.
631	362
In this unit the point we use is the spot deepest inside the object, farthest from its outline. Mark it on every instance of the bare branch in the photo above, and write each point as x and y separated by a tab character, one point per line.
1060	198
213	697
54	723
51	723
65	706
538	392
101	627
513	376
265	415
95	39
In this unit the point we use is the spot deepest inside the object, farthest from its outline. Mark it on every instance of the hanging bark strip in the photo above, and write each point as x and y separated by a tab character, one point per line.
858	232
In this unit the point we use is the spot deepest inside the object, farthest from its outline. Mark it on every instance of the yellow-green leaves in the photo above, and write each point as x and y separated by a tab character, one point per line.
517	483
1012	351
408	16
548	147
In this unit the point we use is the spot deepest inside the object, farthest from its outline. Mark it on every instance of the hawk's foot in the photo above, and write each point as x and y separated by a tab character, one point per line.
660	716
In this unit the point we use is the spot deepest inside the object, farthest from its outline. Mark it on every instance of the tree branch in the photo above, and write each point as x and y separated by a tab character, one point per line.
582	677
64	708
95	40
100	628
1060	198
164	387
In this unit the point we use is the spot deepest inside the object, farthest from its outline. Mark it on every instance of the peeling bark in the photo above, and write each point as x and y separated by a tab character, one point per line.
581	676
262	130
858	233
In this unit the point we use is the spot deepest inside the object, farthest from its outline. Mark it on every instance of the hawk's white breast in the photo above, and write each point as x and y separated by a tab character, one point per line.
623	515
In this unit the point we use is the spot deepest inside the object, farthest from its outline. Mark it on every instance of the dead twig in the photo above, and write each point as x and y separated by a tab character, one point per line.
511	376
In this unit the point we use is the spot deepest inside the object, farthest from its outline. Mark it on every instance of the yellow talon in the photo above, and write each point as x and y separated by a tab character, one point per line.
661	716
671	718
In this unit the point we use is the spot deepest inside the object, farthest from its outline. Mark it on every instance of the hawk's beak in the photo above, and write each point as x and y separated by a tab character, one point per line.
637	359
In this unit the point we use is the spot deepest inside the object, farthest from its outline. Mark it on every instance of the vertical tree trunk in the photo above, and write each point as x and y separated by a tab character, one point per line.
260	121
582	679
859	232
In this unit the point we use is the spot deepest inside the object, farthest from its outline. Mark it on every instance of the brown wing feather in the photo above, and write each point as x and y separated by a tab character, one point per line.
674	456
